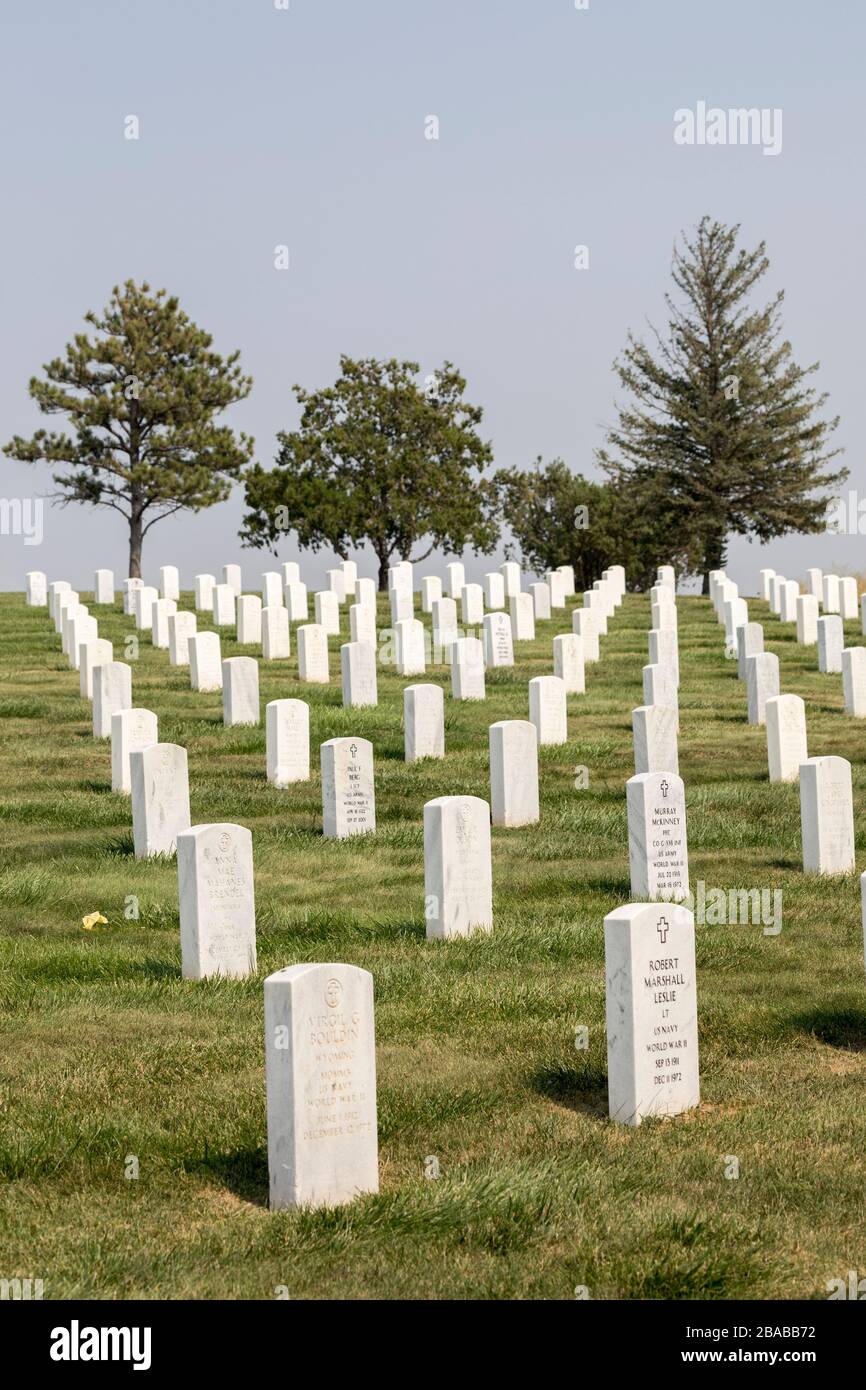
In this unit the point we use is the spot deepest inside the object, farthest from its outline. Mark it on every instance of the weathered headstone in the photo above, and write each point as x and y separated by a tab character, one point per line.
160	797
288	741
249	622
494	590
103	586
337	583
423	722
362	623
129	588
217	902
240	690
327	612
409	656
568	662
831	597
472	605
827	815
594	601
750	642
169	582
514	772
854	681
522	613
807	620
130	729
348	797
848	598
786	737
91	655
815	583
160	614
358	670
181	627
654	733
276	643
144	599
458	874
657	850
583	625
320	1067
272	589
467	669
540	601
762	682
224	605
455	578
297	603
548	709
112	691
313	654
205	661
431	590
444	619
831	641
498	646
36	589
664	650
204	587
651	1011
402	604
510	572
765	578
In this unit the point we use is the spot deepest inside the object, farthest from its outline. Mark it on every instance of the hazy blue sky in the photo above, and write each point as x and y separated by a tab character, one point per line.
306	127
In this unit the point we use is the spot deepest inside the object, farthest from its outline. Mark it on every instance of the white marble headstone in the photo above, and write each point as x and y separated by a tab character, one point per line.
320	1067
131	729
458	875
348	797
827	815
657	849
514	772
160	798
651	1011
423	722
288	741
217	902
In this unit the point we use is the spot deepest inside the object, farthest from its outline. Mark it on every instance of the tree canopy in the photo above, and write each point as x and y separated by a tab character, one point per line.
380	460
141	398
717	410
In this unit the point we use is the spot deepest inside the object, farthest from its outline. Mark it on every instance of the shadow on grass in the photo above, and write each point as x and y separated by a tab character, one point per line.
582	1089
244	1172
118	847
843	1028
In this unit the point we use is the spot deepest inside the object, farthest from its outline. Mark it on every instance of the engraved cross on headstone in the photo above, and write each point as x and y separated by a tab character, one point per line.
664	785
354	750
663	927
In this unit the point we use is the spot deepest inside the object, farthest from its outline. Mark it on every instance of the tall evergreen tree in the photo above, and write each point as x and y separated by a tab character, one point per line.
141	398
719	411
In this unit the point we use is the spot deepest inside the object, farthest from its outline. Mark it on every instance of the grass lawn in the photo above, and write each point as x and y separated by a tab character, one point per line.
107	1052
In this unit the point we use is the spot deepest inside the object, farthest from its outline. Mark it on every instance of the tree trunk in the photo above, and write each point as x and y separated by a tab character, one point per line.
383	571
714	558
135	537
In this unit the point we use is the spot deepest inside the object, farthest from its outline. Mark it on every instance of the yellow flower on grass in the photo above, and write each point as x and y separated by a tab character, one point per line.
92	918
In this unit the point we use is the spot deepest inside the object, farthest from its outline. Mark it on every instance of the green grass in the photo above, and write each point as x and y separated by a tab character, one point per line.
107	1052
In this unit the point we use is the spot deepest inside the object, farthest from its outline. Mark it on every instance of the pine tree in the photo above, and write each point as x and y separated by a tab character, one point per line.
720	413
141	398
